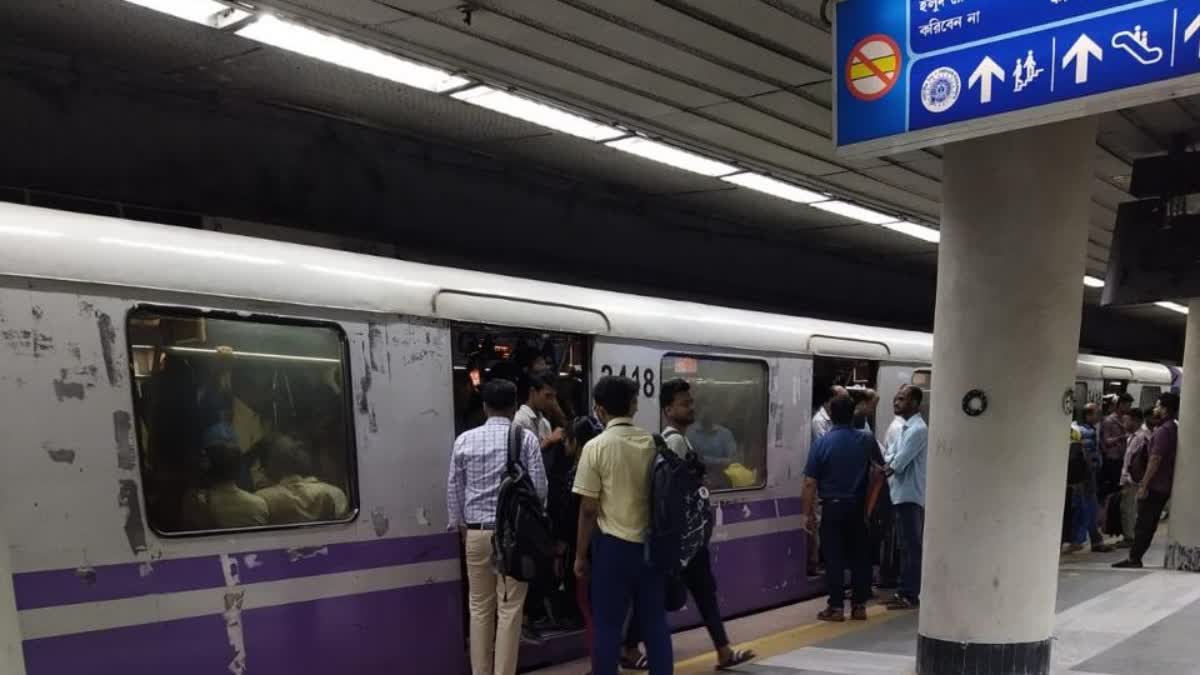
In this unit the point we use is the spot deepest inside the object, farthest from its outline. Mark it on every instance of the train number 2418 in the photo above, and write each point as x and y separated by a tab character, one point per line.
643	376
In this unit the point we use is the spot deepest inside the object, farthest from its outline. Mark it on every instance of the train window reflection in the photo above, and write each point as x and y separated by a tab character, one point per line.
241	422
730	432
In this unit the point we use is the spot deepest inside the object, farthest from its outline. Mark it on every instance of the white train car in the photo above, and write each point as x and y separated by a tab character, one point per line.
127	348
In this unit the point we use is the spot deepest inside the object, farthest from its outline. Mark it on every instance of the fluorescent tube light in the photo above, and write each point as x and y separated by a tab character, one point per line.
1092	282
196	11
855	212
1173	306
313	43
538	113
914	230
775	188
671	155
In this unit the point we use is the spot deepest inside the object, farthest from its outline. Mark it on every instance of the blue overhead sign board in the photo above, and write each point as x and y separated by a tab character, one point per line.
913	73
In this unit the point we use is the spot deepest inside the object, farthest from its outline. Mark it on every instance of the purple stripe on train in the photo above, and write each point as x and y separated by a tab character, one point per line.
112	582
418	629
406	630
53	588
349	557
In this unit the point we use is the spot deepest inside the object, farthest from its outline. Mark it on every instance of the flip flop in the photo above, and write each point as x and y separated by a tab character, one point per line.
642	663
740	656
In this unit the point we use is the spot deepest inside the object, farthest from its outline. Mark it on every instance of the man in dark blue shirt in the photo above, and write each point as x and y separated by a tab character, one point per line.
837	470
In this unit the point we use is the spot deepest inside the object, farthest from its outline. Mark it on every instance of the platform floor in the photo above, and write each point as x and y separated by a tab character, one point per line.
1110	622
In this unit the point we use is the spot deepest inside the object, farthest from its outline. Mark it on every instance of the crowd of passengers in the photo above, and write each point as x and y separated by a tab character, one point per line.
863	506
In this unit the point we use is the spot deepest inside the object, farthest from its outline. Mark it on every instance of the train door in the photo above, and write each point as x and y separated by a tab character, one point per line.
859	376
482	353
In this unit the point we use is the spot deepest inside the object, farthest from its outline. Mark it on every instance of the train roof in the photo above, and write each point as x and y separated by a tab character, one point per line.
50	244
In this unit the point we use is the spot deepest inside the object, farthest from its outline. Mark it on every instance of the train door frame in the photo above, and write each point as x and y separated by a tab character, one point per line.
583	360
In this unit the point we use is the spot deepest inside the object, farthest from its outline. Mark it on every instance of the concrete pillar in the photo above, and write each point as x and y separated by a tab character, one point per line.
1015	211
1183	547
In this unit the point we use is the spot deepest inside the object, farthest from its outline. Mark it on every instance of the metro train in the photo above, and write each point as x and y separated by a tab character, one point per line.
128	348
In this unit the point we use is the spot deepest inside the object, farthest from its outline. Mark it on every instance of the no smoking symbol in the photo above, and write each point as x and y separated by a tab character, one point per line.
873	68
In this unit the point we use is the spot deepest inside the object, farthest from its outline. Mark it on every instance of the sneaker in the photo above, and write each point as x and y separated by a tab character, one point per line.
1102	548
832	614
858	613
1074	548
1128	565
902	603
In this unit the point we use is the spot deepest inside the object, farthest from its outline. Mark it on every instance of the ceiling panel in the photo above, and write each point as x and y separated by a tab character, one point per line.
691	125
769	24
926	209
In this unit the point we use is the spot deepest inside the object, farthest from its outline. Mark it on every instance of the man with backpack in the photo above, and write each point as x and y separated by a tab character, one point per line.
675	399
479	464
612	480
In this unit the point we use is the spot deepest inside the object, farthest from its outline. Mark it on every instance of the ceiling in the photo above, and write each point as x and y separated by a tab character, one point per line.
745	82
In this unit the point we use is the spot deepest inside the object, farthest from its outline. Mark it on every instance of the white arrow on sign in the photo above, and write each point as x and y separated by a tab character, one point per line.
1084	48
983	75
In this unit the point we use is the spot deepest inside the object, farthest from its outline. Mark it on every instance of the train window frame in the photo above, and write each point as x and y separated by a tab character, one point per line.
766	410
353	491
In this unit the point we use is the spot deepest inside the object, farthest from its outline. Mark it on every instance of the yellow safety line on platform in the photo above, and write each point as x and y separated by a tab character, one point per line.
791	640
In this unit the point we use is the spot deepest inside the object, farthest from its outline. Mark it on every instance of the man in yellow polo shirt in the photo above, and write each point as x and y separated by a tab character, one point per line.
613	482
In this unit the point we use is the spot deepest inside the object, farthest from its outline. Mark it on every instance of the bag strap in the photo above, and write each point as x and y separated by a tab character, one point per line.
516	435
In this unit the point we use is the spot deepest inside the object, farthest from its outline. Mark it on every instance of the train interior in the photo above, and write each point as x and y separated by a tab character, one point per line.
859	376
204	383
482	353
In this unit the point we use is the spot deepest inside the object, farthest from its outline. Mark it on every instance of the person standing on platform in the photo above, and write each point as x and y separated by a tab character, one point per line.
675	399
1155	489
1139	427
905	466
1113	443
837	472
1087	524
613	481
477	466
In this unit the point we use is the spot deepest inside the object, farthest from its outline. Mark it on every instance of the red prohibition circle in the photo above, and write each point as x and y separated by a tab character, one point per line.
858	56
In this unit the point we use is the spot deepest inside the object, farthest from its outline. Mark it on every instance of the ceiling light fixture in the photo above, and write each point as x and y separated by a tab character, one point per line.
855	212
205	12
1173	306
914	230
313	43
538	113
672	156
1092	282
775	188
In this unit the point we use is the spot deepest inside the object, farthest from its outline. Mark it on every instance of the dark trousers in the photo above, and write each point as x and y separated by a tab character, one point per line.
910	527
845	545
1149	513
884	544
622	579
698	578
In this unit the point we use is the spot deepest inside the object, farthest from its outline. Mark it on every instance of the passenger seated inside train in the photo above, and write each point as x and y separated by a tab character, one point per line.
229	505
295	494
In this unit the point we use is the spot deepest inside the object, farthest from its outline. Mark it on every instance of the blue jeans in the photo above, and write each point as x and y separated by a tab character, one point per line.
910	526
621	580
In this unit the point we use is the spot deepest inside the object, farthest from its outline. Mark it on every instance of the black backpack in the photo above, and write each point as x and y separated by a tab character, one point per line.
523	540
680	517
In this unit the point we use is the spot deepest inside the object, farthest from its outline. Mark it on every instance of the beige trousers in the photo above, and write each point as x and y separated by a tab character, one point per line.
496	604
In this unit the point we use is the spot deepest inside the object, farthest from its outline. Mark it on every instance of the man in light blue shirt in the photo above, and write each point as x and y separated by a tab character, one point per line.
905	459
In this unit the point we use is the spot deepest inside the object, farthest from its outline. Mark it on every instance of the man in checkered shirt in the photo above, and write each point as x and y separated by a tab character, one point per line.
476	468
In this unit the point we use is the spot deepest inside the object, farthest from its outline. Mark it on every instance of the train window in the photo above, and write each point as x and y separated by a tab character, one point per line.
1149	396
242	422
730	432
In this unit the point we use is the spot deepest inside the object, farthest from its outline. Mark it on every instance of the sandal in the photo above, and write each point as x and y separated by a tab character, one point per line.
642	663
739	657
